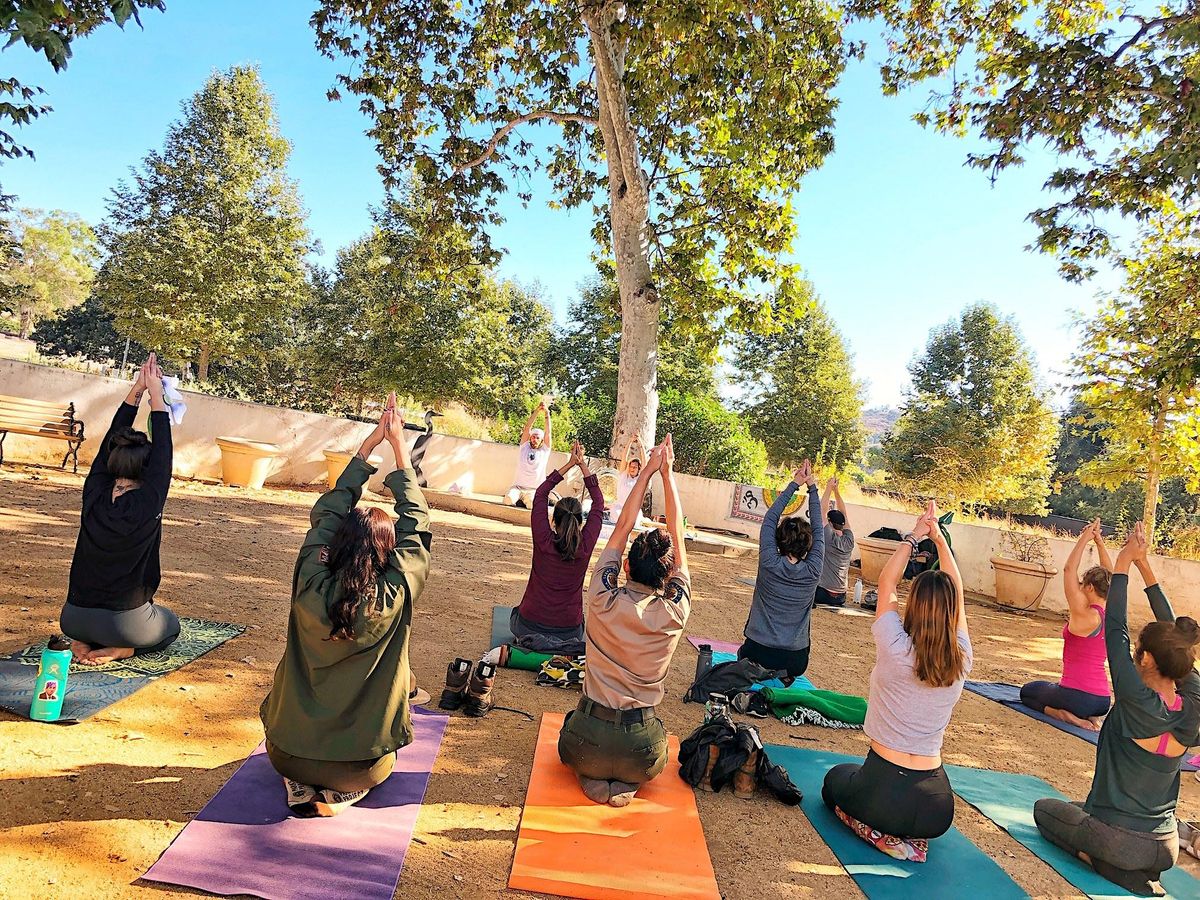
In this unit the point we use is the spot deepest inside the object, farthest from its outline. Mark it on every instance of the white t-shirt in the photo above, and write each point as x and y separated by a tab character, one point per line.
625	483
531	465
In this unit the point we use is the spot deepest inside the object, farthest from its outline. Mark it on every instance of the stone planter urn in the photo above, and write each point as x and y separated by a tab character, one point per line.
1021	585
246	463
875	552
336	462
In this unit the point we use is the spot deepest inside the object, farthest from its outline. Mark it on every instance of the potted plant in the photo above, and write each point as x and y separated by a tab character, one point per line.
246	463
1023	570
874	552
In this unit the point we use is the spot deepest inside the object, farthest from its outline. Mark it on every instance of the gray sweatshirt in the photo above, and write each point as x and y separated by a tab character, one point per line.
784	590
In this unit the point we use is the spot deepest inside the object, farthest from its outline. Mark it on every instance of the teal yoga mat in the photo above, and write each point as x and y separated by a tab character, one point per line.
1008	800
956	867
501	633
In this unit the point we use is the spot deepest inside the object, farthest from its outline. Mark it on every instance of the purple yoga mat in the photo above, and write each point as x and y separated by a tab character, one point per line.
244	841
718	646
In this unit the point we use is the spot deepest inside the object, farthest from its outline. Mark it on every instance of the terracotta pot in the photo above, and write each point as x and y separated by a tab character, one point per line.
336	462
875	552
246	463
1021	585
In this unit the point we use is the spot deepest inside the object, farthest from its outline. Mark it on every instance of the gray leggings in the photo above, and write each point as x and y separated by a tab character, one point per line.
1122	856
147	628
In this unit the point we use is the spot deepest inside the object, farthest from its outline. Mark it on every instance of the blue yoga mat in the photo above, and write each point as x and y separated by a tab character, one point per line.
956	867
501	633
801	681
1010	695
1008	800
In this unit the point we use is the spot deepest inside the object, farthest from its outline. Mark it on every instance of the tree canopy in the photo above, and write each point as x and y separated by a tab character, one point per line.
976	426
207	242
51	264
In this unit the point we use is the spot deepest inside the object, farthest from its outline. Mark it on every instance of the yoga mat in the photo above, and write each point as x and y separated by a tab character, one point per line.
501	634
568	845
93	688
1010	695
717	646
800	681
1008	800
245	842
956	867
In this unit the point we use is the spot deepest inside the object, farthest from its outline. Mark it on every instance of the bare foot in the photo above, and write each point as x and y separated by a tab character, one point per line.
622	793
595	789
1097	722
79	650
1063	716
106	655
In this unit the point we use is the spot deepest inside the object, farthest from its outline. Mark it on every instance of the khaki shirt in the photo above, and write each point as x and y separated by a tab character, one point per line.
631	634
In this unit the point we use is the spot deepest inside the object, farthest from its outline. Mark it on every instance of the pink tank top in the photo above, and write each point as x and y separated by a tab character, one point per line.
1083	660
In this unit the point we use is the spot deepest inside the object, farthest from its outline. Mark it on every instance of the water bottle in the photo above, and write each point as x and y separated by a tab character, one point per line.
703	661
716	707
858	592
51	686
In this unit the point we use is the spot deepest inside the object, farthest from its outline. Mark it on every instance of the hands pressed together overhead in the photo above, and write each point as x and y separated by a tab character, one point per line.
391	429
805	474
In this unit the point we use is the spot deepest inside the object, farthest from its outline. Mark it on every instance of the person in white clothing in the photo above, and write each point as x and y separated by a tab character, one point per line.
532	459
627	476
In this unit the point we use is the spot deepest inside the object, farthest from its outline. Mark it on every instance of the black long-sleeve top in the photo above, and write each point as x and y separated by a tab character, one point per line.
115	565
1134	788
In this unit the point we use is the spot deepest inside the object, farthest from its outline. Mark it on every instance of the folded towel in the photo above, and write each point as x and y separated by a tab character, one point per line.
174	399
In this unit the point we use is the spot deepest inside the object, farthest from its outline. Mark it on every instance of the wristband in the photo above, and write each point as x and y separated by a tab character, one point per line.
913	543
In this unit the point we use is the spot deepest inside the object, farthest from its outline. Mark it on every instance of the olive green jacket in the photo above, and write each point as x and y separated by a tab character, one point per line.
348	699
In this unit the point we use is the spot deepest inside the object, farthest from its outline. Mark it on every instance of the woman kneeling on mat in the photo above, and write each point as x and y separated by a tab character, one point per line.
550	617
110	612
339	707
901	792
1127	830
614	740
791	555
1081	696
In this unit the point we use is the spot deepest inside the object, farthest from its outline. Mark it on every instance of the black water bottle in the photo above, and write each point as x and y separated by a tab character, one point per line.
703	661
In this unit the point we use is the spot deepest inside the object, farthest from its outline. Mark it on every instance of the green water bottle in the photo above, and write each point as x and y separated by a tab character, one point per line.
51	685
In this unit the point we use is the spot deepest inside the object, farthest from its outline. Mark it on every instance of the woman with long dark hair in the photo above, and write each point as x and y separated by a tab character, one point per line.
900	794
339	707
110	612
1126	830
550	617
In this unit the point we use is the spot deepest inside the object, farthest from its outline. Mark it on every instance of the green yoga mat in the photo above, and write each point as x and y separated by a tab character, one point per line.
529	660
832	705
956	868
1008	800
93	688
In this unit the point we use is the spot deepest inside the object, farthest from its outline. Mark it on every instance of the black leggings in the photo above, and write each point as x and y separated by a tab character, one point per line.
1040	694
907	803
1124	857
148	628
794	661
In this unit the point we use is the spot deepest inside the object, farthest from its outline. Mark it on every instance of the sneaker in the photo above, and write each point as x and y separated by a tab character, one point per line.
298	793
418	697
870	600
478	700
745	779
458	673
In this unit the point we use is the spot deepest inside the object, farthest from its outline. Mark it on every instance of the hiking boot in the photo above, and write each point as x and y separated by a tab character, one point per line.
458	673
706	782
477	700
745	779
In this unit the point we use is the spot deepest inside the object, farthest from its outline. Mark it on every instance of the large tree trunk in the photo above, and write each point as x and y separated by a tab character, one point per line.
629	210
1153	473
202	365
26	327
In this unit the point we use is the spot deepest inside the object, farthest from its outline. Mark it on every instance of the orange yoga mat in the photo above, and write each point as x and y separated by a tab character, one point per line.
568	845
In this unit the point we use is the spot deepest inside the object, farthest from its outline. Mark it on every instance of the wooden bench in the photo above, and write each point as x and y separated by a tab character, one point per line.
37	418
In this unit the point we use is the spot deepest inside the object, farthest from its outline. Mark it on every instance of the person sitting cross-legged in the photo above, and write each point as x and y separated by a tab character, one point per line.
1126	830
532	459
1081	697
614	740
839	547
900	796
339	706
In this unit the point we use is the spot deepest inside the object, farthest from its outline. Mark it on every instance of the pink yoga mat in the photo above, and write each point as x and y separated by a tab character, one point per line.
245	842
718	646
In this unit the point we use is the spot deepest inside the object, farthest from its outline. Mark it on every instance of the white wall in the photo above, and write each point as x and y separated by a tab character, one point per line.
471	466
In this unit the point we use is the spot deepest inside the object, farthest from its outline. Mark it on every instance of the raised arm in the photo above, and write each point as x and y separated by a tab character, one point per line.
824	503
768	550
539	517
1076	599
1101	550
816	517
1159	604
529	423
948	564
124	417
893	569
1125	677
549	428
674	507
595	519
633	505
157	474
841	504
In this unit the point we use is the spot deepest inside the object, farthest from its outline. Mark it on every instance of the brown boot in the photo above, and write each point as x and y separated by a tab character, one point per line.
458	673
478	702
706	782
745	779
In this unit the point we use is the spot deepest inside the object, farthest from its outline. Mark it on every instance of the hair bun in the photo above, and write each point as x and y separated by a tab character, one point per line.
1188	629
129	437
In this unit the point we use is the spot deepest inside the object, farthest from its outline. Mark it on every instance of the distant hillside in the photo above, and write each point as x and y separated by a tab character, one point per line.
877	420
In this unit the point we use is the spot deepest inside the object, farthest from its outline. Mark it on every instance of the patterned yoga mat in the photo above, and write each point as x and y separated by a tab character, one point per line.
93	688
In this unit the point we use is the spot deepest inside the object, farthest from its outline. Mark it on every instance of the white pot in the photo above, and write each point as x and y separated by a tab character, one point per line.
1021	585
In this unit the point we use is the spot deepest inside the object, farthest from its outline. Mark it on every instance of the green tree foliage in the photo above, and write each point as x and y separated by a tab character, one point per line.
85	330
52	267
49	27
1107	86
1139	367
206	245
686	127
975	426
799	391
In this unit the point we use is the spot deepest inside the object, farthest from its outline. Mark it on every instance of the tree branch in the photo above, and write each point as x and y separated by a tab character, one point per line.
490	147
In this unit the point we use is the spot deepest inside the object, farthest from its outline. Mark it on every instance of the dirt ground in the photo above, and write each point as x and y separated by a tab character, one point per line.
84	810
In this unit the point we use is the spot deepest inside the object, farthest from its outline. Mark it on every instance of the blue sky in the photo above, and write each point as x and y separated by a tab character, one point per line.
896	234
